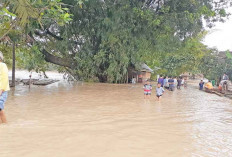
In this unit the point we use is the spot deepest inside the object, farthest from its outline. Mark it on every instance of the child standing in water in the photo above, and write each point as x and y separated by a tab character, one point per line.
4	87
147	89
159	91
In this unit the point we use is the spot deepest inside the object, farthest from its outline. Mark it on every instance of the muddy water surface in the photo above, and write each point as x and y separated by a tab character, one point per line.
103	120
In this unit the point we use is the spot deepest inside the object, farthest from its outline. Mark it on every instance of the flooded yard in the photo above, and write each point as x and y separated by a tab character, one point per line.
106	120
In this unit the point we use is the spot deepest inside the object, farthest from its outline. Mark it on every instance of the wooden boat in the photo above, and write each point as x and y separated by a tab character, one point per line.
27	81
44	82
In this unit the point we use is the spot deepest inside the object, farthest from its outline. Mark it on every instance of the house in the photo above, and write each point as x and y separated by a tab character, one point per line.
140	75
186	75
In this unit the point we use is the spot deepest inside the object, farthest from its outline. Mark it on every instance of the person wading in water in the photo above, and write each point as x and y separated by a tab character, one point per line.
171	84
159	91
161	81
147	90
179	83
4	87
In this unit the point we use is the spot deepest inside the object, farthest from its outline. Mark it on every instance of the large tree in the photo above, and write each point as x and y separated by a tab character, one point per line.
105	38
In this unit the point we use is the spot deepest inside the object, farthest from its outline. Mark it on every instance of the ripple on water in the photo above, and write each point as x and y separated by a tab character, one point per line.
114	120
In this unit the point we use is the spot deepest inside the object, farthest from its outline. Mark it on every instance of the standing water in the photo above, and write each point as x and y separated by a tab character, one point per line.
105	120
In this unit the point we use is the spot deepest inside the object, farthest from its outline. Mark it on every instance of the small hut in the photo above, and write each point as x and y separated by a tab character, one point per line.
140	75
186	75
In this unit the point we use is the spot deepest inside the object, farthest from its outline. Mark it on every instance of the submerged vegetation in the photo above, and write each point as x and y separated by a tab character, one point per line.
100	39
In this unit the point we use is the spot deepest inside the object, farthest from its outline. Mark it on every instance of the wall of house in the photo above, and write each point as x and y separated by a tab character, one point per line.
145	76
140	76
132	74
148	75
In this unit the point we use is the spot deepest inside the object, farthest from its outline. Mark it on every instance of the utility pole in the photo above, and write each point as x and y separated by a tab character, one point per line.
13	65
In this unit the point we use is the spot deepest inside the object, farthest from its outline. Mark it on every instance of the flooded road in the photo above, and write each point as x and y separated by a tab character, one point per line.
103	120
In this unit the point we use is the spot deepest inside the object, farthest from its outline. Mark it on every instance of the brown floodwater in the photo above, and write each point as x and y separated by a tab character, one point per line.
105	120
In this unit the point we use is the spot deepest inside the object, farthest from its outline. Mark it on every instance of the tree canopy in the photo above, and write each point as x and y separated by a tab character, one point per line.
100	39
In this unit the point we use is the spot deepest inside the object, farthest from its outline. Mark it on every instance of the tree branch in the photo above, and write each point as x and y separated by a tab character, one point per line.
40	33
56	60
47	32
53	35
12	25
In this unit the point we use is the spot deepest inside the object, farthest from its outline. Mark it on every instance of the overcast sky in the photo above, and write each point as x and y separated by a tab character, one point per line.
220	36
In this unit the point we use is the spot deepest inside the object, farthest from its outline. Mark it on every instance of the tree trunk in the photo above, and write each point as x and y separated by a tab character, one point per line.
45	75
13	65
57	60
127	77
102	78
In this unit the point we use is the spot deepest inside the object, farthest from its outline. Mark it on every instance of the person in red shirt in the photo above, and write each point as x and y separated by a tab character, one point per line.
147	90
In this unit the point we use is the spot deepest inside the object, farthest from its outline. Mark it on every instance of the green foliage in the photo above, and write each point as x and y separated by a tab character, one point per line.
20	17
213	66
21	14
228	54
7	53
121	34
31	59
102	39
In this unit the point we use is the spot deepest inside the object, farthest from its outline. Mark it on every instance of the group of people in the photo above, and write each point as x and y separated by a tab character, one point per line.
209	86
147	90
170	83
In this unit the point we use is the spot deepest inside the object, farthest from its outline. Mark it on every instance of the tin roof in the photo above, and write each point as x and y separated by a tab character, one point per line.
146	68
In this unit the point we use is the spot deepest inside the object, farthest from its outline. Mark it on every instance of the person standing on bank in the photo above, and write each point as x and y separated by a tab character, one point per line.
4	87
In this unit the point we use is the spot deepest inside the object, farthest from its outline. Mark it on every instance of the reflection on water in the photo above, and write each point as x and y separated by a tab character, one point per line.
103	120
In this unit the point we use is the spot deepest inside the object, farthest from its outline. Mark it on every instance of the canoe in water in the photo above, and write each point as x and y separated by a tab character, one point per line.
44	82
